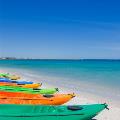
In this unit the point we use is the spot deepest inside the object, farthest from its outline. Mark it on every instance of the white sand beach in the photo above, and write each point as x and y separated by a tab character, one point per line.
81	96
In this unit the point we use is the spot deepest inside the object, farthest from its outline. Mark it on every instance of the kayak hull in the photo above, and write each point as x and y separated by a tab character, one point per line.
28	90
14	81
34	86
7	75
4	74
32	112
24	98
14	77
74	117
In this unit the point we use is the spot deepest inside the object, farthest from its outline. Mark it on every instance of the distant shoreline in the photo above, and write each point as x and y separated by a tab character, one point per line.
62	59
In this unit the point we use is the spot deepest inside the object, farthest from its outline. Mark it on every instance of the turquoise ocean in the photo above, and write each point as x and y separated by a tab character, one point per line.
99	72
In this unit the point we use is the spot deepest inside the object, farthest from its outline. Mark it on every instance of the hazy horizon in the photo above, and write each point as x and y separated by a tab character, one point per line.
61	58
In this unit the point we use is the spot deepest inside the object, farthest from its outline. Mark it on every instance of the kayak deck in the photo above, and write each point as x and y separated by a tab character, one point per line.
28	90
32	112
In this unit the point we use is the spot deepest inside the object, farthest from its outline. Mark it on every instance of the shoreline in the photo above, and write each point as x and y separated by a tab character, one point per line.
82	97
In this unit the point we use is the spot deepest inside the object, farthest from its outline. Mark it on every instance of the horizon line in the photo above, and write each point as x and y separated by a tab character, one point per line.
14	58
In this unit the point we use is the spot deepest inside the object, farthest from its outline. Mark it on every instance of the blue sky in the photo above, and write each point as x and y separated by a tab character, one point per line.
60	28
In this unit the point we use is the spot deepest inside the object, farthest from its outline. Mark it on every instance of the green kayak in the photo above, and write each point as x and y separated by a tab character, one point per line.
10	76
40	112
4	74
28	90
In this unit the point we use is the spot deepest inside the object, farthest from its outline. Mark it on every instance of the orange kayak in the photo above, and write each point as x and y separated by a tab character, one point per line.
34	86
24	98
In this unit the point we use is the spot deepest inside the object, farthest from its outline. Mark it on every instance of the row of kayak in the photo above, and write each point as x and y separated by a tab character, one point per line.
25	99
13	92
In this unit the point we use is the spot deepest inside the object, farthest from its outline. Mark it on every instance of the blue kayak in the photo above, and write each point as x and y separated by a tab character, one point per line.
5	80
14	81
22	82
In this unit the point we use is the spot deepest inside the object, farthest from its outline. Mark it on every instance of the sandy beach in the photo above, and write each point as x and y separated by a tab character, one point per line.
81	96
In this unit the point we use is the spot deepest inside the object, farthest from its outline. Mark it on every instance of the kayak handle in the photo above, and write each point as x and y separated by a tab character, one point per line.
106	106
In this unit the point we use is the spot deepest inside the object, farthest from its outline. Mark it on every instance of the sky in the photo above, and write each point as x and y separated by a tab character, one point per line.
60	29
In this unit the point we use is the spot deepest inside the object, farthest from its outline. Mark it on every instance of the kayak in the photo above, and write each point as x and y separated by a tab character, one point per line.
14	81
22	82
34	86
13	77
41	112
24	98
5	80
7	75
28	90
4	74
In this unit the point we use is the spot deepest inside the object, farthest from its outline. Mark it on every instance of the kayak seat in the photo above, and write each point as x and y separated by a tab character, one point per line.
20	84
14	81
36	89
3	98
74	108
7	85
48	96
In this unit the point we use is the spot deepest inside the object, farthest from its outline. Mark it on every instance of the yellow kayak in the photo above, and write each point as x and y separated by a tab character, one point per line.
14	77
34	86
